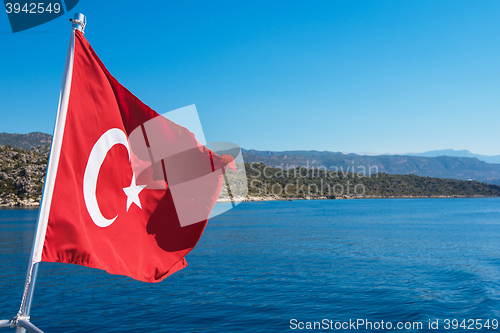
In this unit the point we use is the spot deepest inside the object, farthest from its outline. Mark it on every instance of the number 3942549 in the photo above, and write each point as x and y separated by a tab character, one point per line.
32	8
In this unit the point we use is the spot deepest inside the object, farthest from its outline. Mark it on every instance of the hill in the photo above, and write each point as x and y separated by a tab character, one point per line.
313	183
22	173
448	163
25	141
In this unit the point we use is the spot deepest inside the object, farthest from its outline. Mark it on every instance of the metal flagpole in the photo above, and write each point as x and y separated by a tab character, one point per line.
21	321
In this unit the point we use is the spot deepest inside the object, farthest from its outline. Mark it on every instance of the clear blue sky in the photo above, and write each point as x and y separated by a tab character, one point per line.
378	76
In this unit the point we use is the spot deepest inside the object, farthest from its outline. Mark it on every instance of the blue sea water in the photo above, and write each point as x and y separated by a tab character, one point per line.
264	264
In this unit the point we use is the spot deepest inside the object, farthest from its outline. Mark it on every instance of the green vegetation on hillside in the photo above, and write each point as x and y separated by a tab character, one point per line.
301	182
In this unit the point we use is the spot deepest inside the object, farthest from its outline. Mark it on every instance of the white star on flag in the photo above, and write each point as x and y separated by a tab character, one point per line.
132	193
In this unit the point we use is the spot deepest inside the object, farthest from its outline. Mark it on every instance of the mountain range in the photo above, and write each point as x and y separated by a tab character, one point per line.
463	168
461	164
459	153
22	174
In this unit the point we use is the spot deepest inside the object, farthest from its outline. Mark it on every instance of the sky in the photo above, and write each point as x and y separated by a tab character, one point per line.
351	76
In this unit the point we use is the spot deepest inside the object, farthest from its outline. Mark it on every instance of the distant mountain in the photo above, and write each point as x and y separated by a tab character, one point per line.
459	153
463	168
308	153
25	141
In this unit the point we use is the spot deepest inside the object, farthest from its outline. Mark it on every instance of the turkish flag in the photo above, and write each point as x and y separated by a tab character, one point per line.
131	191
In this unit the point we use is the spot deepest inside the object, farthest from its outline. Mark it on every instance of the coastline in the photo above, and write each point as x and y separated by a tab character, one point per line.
278	198
26	203
30	203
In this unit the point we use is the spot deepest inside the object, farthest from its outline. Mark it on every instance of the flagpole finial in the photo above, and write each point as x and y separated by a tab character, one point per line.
79	22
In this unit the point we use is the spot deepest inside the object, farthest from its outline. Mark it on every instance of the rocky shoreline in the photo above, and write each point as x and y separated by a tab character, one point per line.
26	203
31	203
278	198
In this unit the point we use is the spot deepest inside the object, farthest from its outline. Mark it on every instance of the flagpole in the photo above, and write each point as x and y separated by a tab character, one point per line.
21	321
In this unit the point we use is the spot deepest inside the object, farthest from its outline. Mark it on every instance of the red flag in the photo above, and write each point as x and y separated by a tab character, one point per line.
128	191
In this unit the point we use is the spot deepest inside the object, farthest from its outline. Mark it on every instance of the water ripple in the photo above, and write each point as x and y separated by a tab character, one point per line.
264	263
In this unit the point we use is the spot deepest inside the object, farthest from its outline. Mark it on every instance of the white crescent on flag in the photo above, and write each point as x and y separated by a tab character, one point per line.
109	139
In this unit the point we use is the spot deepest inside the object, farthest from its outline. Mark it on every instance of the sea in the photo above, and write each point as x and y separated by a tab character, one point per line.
405	265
